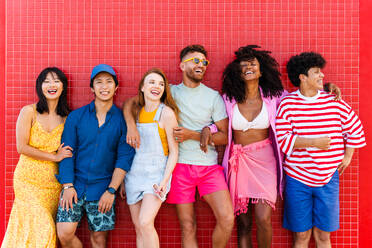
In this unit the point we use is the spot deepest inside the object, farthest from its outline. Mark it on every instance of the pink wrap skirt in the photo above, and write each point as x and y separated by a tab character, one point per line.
252	175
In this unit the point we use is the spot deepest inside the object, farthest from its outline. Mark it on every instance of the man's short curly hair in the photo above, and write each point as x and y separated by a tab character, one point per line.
300	64
191	49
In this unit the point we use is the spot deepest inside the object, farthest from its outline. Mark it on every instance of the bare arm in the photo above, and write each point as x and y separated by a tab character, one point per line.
332	88
218	138
107	199
23	130
349	151
322	143
170	122
181	134
133	137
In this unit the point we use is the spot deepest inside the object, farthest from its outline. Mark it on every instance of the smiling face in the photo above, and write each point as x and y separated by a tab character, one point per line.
104	87
193	72
52	87
153	87
250	70
313	80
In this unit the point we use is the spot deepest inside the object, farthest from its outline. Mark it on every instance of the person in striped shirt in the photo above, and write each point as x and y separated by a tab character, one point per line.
318	135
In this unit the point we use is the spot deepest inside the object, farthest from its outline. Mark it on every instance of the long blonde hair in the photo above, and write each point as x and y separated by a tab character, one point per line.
166	98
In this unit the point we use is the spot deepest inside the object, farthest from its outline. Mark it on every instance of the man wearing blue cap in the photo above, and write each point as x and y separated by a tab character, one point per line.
101	157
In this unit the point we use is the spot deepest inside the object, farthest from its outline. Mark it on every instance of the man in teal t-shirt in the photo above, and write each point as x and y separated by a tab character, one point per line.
197	168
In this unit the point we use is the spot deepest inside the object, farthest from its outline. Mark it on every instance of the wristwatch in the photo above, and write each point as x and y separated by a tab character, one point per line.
111	190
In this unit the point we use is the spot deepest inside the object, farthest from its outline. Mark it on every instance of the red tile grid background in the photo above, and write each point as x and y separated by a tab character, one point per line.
136	35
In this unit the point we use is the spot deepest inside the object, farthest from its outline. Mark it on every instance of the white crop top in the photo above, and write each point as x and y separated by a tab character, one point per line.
239	122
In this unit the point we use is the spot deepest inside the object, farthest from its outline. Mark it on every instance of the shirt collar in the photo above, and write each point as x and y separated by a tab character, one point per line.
92	108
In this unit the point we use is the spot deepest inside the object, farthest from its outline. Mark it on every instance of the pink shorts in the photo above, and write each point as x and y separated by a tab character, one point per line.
186	177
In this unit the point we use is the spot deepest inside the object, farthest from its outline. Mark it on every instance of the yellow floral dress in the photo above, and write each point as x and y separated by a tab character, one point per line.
31	222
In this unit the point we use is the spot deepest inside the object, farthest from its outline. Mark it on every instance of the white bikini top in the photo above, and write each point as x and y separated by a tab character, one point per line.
239	122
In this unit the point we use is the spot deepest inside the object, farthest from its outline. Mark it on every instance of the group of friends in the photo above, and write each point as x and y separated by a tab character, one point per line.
162	147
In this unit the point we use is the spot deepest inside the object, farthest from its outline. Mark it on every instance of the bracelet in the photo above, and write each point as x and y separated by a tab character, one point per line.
213	128
68	187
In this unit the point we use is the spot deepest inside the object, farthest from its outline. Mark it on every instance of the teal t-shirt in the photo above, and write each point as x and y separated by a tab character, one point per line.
199	107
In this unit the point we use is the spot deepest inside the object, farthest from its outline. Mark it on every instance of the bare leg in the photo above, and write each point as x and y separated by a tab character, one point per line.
221	204
66	235
98	239
263	222
149	209
244	228
301	239
322	238
134	213
186	216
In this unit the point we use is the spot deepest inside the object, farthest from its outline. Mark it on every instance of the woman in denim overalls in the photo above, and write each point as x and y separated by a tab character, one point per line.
148	181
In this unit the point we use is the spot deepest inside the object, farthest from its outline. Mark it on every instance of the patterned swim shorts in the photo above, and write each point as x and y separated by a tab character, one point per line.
97	221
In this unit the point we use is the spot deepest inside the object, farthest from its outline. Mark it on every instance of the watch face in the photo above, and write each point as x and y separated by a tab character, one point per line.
111	190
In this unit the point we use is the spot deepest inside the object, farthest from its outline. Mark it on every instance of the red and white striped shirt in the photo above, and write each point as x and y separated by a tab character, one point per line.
313	117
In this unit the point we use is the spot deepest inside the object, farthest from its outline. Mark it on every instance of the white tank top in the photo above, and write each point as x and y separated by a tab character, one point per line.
239	122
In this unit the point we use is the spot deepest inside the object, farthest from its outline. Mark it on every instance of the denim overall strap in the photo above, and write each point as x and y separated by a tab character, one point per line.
158	112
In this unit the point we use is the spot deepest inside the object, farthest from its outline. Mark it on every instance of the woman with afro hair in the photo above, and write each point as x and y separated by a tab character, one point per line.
252	90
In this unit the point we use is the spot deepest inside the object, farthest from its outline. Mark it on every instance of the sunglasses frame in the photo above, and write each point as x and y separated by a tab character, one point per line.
200	60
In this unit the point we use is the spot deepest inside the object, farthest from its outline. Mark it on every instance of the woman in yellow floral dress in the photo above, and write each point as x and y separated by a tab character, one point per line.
39	129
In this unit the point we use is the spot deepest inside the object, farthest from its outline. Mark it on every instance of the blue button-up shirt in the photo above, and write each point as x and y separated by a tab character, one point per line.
97	151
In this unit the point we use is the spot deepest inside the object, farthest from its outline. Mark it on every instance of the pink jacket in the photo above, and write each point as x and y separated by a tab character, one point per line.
271	105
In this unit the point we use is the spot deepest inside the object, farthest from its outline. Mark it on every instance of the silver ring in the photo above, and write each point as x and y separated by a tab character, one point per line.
176	138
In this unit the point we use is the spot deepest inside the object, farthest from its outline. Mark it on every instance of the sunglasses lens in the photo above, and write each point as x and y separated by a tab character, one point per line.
196	61
205	62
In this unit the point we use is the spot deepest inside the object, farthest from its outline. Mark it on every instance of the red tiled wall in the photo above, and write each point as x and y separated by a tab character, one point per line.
136	35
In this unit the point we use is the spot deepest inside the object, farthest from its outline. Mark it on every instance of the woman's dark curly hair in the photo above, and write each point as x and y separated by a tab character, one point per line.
300	64
233	84
42	105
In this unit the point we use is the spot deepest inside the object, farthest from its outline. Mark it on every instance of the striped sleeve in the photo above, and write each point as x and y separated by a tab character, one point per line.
284	133
352	130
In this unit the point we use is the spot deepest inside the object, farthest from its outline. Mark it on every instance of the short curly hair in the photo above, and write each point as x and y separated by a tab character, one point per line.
191	49
233	84
300	64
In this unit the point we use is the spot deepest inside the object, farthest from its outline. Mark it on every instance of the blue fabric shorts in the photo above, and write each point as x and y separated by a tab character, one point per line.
97	221
306	207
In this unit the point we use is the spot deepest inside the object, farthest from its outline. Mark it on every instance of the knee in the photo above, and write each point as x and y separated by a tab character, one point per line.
302	237
244	223
321	236
145	225
263	221
98	238
226	221
188	226
65	234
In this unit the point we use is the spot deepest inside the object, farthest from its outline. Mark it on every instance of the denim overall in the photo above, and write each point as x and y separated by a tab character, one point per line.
149	163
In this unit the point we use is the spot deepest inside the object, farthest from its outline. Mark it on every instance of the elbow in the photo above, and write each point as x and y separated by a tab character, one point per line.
223	140
173	153
20	148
